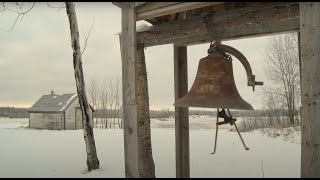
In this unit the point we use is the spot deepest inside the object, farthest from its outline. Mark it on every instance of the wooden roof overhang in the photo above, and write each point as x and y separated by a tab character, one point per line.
182	23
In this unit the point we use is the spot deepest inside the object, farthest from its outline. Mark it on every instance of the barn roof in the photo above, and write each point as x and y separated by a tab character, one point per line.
53	103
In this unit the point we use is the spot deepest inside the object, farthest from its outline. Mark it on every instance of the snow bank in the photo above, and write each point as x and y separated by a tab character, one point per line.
28	152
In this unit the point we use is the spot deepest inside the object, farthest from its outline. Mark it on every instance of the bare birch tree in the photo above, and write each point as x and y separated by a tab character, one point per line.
92	159
93	93
104	98
282	58
117	101
111	101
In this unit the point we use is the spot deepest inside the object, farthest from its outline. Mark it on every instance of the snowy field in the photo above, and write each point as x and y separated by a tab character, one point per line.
46	153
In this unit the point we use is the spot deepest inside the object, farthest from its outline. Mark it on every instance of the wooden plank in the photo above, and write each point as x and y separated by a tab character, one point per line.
217	17
181	113
138	4
310	65
147	168
248	23
118	4
121	4
171	9
235	33
130	125
154	5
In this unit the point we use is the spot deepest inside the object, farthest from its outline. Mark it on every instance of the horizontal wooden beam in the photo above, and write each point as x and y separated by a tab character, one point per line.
120	4
225	26
263	29
154	5
157	9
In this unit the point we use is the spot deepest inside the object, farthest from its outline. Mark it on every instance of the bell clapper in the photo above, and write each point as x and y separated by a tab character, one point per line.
215	141
227	120
246	148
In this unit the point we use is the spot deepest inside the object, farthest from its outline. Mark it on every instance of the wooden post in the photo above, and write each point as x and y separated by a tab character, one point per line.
310	65
181	113
128	56
299	54
147	168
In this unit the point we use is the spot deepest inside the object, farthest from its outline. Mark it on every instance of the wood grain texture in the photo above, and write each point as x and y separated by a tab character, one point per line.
310	65
226	26
147	167
171	9
181	113
130	112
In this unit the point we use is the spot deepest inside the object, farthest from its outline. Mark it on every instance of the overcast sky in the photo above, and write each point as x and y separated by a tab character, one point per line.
36	56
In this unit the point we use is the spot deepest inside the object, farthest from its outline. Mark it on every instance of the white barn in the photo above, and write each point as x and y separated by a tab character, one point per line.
56	112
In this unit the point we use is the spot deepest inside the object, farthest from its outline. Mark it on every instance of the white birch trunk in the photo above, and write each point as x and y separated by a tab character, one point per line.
92	159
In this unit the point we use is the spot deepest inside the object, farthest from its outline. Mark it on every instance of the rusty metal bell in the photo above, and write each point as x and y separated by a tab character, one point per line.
214	86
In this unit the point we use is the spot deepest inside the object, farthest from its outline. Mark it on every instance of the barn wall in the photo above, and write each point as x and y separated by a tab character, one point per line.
70	115
79	118
46	121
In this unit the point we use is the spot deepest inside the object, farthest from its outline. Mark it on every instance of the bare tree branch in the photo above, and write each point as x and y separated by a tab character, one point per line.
283	70
3	7
56	7
87	37
20	5
20	14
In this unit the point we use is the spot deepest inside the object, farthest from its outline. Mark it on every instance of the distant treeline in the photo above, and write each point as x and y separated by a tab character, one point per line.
166	113
13	112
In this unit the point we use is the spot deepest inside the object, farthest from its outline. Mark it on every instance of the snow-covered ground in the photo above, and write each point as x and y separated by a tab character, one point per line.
28	152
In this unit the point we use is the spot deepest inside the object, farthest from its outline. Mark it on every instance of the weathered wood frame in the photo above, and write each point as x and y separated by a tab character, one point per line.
240	23
181	113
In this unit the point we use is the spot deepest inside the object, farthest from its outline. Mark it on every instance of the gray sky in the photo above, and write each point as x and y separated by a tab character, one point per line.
36	56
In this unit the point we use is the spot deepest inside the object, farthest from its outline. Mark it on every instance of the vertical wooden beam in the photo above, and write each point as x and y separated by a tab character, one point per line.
299	54
128	56
147	168
310	65
181	113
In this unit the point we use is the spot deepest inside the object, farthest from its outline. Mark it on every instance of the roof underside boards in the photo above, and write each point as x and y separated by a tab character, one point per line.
53	103
227	21
196	9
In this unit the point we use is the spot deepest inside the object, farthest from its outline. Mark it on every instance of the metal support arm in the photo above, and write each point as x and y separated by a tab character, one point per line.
230	50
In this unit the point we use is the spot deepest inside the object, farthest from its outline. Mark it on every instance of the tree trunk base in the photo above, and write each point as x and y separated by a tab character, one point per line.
93	164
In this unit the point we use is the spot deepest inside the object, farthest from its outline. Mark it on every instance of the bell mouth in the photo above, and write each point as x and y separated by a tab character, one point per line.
221	103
